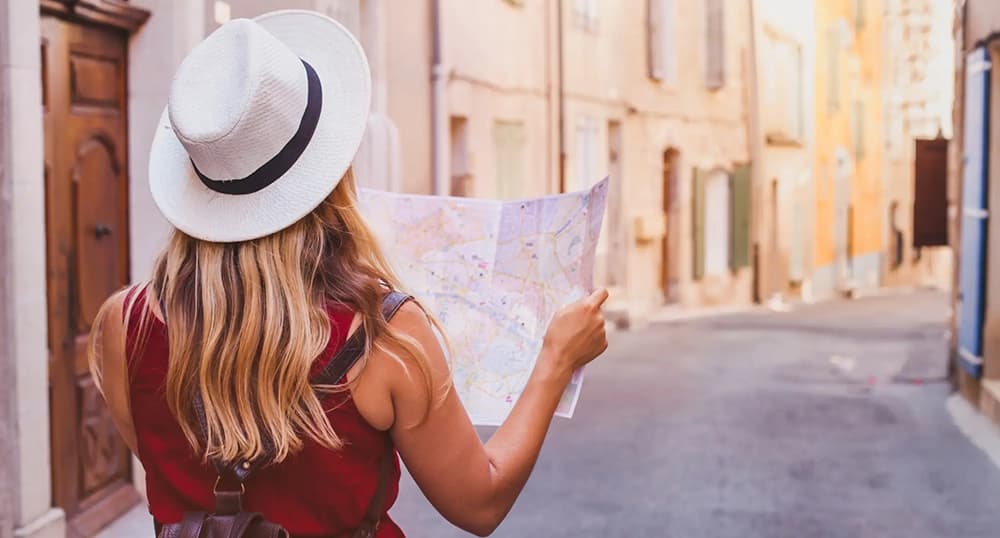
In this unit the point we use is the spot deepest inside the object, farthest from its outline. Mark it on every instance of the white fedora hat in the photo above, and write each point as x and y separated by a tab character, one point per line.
263	119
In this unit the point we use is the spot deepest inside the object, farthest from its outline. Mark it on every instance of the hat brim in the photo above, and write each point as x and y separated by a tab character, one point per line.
200	212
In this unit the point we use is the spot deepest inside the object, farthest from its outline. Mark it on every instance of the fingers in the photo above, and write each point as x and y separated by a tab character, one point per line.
598	297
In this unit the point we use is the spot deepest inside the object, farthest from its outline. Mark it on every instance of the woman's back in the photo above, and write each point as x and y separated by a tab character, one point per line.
251	164
314	492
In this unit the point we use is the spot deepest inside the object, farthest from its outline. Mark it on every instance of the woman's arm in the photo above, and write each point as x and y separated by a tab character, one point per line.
474	485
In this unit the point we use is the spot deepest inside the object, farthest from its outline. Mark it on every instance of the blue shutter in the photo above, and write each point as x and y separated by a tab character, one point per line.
974	211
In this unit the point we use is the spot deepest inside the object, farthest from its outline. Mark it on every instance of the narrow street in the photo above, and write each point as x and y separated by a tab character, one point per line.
828	421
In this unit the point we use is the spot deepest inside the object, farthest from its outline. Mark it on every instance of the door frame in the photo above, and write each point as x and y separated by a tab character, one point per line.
122	18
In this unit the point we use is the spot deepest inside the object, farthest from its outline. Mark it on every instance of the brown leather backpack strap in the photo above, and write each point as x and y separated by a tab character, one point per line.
189	527
352	350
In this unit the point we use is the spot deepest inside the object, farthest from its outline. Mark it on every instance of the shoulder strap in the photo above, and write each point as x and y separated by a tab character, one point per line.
354	348
237	472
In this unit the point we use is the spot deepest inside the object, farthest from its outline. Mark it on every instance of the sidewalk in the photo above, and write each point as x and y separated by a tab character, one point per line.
135	522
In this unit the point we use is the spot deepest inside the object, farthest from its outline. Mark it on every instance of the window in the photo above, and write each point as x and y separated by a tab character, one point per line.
662	49
859	14
721	221
833	67
585	14
783	115
715	56
508	137
587	133
717	223
461	175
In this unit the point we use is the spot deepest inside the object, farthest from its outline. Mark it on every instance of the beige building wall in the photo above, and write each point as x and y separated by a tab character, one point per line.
497	75
784	62
918	100
25	510
708	130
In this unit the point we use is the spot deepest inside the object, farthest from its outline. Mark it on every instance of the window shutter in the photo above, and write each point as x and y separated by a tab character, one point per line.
509	141
715	70
858	124
592	14
833	67
668	40
654	20
739	236
698	224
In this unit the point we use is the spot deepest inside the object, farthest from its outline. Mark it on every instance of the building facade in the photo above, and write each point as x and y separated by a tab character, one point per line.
532	97
685	203
784	146
917	126
848	162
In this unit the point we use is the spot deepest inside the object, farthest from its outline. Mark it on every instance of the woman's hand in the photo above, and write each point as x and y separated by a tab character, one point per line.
472	485
575	335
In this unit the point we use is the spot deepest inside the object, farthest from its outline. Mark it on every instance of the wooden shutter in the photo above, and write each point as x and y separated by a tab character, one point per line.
698	222
715	61
509	141
930	194
739	220
654	21
858	126
833	68
660	45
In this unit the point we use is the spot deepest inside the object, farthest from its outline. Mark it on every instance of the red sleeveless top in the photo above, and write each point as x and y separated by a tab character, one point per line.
315	492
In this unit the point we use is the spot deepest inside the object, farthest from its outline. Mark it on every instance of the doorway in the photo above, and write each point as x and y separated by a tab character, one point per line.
86	186
668	272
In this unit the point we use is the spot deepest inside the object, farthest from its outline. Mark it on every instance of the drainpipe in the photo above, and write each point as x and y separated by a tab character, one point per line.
439	133
562	98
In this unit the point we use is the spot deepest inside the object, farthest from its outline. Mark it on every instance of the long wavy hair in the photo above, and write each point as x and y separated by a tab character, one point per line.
246	320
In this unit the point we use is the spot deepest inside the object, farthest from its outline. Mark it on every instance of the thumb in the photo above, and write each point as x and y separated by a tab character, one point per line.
598	297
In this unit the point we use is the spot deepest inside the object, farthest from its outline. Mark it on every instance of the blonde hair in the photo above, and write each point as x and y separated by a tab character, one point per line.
246	320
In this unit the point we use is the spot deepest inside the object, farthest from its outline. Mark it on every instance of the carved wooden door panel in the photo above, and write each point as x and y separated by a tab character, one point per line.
86	182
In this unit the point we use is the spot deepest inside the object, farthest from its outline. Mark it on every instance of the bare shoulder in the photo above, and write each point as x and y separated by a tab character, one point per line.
410	316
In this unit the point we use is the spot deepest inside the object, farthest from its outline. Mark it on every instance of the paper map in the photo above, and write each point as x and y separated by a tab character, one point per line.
494	273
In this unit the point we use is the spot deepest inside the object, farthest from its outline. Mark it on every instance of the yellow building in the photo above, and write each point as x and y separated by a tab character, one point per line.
849	178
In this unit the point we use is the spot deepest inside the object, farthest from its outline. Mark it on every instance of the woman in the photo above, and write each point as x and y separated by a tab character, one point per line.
269	271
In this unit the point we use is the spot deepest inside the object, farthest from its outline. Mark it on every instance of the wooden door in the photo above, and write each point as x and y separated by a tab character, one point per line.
668	276
930	193
86	184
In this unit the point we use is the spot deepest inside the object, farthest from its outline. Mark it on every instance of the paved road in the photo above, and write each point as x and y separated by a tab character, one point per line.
828	421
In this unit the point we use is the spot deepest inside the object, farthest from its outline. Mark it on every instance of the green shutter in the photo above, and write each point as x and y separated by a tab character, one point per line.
739	236
698	227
